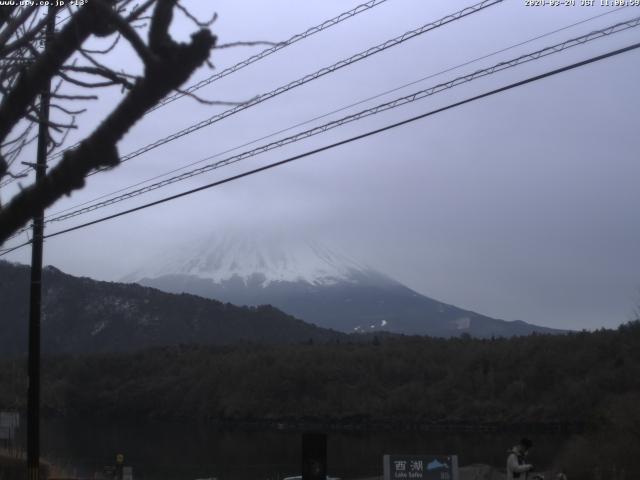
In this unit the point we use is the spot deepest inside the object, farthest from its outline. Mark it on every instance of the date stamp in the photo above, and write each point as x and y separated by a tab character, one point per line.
582	3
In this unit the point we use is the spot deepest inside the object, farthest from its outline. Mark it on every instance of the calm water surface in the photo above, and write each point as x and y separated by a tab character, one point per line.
189	451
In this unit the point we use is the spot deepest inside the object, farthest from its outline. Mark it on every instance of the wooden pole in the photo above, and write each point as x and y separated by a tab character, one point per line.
33	395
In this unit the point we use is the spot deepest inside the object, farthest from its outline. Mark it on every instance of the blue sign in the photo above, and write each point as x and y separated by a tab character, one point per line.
420	467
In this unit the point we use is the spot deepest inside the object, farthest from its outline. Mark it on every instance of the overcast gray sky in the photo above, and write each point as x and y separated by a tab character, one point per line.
523	205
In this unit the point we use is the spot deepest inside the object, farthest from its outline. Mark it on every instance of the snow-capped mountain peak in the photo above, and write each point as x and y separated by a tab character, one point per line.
267	256
312	283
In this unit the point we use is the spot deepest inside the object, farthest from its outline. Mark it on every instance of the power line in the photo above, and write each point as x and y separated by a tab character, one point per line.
310	77
265	53
620	27
303	80
386	92
259	56
240	65
6	251
350	140
616	28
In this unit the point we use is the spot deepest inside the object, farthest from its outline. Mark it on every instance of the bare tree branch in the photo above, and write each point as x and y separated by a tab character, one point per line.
58	127
18	138
66	110
139	11
16	176
127	32
58	143
33	79
101	66
159	30
29	36
82	83
106	50
204	101
197	22
170	65
14	24
5	14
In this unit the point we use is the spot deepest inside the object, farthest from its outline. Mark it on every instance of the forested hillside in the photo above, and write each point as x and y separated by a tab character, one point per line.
81	315
580	382
569	379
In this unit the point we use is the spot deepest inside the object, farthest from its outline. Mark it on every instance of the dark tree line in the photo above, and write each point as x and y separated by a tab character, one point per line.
585	382
541	379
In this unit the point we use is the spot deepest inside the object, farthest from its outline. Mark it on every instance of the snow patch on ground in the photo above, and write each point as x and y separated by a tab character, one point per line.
98	327
462	323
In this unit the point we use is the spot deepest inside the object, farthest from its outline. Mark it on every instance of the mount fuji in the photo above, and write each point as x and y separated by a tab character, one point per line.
314	283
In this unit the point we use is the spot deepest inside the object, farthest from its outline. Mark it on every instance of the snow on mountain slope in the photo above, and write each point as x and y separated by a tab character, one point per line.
316	284
273	257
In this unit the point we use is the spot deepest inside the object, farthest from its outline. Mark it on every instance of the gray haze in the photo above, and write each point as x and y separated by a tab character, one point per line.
519	206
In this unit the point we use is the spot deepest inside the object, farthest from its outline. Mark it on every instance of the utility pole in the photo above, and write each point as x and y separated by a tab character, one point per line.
33	395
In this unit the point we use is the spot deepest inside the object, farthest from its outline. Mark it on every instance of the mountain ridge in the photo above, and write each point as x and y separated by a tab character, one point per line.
81	315
316	284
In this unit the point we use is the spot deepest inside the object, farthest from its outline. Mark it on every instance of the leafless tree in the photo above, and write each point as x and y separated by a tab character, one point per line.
26	67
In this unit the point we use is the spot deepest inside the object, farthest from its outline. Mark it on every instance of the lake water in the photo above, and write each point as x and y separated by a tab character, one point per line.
175	451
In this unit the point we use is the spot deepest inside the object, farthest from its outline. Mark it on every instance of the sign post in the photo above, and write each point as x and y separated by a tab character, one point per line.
119	465
314	456
420	467
127	473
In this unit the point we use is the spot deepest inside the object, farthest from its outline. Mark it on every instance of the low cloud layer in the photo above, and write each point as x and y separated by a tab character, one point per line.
519	206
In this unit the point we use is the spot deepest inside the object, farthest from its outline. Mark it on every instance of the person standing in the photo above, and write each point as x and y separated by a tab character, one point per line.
517	467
